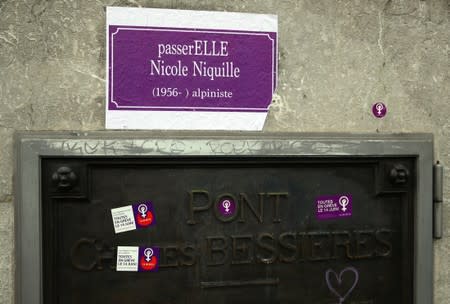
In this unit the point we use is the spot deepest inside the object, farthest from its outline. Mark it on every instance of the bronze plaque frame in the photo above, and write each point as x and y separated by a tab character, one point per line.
31	148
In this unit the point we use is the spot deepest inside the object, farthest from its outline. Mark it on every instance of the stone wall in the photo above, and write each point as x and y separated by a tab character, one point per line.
336	59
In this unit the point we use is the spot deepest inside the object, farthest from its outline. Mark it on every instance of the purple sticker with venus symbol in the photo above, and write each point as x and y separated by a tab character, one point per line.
148	259
144	214
226	207
333	206
132	217
379	110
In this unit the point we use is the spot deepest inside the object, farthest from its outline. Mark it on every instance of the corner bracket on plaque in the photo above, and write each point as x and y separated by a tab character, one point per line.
394	175
64	178
68	179
399	174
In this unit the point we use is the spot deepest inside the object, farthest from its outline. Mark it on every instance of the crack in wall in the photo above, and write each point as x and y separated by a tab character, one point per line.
380	32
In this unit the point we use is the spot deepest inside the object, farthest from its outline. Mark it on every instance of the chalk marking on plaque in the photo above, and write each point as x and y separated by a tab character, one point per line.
339	279
257	282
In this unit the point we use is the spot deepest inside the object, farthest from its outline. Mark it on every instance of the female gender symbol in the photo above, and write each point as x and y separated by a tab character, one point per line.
344	201
226	204
143	210
379	110
148	253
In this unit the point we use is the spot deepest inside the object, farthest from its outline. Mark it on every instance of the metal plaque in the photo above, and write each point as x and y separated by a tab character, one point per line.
234	220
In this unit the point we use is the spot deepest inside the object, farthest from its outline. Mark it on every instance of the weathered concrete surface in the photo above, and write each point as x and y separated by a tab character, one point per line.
6	252
336	59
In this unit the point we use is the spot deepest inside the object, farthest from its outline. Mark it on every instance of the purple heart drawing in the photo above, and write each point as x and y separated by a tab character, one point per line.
339	280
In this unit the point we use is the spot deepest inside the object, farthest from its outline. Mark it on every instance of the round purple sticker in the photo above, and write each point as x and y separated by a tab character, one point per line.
226	207
379	109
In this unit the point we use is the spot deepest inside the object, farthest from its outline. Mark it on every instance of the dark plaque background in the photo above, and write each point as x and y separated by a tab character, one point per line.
279	255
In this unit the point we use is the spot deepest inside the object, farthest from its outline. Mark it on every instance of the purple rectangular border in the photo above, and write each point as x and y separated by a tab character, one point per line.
272	36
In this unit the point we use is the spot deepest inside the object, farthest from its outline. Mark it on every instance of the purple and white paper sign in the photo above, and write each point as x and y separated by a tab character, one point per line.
132	217
333	206
180	69
137	259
